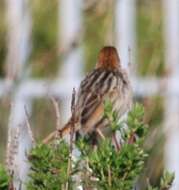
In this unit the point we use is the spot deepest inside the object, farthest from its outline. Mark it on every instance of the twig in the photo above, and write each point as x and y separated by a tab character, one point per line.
109	176
129	54
57	112
132	138
72	130
11	186
66	129
73	119
130	65
50	137
100	133
118	147
29	129
12	148
57	115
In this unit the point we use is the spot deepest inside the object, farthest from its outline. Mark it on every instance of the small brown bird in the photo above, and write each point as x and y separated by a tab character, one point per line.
108	81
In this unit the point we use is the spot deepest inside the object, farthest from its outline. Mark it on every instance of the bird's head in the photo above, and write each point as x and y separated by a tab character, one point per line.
108	58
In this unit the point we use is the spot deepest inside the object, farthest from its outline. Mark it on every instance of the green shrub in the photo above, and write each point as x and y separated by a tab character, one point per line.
49	166
108	165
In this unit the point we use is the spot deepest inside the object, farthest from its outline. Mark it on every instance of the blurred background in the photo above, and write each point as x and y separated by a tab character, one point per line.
46	47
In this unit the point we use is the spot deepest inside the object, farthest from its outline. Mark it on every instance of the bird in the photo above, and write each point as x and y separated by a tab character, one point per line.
108	81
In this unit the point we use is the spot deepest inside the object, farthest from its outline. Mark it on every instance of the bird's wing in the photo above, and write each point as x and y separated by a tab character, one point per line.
94	90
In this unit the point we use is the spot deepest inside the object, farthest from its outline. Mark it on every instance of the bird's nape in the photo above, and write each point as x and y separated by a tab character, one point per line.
108	58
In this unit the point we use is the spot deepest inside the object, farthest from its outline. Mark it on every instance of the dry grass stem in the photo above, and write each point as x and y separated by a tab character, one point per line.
117	145
29	129
12	148
57	112
57	115
99	132
109	176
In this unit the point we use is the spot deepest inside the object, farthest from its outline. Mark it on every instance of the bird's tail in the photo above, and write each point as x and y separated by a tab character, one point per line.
65	130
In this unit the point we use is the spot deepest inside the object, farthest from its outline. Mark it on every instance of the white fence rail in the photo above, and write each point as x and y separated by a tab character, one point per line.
26	90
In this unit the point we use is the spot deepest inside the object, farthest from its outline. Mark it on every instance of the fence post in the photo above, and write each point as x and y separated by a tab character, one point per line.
171	36
19	28
69	29
126	31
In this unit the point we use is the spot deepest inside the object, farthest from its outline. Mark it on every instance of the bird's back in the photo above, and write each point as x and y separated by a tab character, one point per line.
97	87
